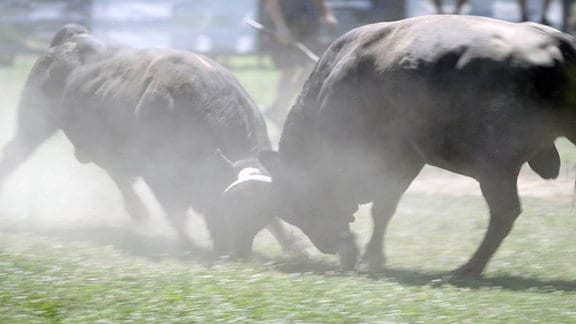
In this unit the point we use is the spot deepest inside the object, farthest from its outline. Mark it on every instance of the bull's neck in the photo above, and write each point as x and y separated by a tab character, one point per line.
299	143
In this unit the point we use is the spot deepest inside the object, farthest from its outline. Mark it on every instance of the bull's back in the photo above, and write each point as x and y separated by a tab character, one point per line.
185	89
159	102
445	53
459	87
439	84
98	104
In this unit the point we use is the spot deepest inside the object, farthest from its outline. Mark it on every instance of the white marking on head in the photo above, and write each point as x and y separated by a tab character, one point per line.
249	174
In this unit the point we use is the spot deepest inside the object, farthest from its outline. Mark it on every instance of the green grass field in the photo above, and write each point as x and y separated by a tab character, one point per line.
69	253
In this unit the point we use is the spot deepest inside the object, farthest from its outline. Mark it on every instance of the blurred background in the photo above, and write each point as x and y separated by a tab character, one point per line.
216	27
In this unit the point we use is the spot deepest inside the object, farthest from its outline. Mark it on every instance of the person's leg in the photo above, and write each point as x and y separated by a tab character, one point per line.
285	92
295	68
545	7
523	10
459	5
438	6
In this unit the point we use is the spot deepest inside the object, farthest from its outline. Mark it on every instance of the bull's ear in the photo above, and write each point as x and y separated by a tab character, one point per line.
66	33
270	160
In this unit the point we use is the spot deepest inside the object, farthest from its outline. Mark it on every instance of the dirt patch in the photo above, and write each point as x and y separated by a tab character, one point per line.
437	181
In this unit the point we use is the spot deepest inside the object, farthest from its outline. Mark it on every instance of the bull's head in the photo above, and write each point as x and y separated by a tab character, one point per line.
315	206
67	32
244	207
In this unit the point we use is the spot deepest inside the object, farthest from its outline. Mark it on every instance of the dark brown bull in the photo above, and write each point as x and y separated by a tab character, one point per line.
157	114
476	96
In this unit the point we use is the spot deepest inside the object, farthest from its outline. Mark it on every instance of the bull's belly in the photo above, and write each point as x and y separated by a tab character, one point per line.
452	156
122	160
107	149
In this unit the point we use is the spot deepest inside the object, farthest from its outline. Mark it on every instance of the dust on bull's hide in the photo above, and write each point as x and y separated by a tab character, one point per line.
155	114
473	95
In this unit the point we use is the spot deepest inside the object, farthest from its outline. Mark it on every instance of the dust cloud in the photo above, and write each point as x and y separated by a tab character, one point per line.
53	195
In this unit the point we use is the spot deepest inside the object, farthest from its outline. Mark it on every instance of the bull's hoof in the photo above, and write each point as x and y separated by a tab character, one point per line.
375	262
348	254
221	250
376	266
242	254
139	218
81	156
138	213
466	272
296	248
187	245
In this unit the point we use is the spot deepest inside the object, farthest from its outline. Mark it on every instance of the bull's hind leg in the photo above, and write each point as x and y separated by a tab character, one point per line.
15	153
132	201
36	119
391	190
287	240
28	137
501	193
174	206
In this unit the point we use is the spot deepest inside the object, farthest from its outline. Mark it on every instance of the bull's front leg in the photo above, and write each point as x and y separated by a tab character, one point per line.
382	212
499	188
391	189
383	209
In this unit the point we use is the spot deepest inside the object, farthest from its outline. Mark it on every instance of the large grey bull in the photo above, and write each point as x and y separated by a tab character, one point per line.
157	114
476	96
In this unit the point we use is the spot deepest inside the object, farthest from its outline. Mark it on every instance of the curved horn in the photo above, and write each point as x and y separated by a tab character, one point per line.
224	158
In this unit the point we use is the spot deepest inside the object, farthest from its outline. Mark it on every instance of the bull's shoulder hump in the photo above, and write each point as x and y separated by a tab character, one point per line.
425	40
177	59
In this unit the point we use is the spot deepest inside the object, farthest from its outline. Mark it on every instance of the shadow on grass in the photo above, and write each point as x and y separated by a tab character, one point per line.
126	241
156	248
431	278
507	282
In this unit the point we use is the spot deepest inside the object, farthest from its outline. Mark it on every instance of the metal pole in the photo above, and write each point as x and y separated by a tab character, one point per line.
301	47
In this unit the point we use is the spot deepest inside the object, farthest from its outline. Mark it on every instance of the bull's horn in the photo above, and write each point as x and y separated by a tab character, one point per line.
223	158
